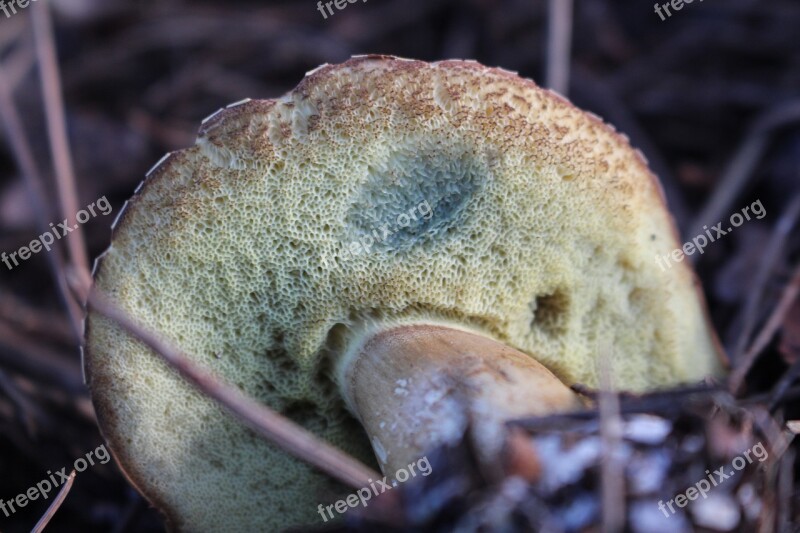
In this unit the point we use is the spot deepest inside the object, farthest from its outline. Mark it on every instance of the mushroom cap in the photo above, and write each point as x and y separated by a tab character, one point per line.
543	231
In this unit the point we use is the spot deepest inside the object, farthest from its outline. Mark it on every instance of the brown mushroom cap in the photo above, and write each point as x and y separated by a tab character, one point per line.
543	234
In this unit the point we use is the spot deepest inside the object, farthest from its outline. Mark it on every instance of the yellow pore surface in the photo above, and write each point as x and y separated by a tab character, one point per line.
542	233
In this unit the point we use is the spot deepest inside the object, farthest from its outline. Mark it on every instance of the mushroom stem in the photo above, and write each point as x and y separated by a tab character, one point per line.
417	386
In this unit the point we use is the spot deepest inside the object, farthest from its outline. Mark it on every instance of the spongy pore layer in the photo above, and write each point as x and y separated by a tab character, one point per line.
541	230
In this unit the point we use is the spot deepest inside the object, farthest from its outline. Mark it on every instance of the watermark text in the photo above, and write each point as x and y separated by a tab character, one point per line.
53	481
715	478
46	240
375	488
699	243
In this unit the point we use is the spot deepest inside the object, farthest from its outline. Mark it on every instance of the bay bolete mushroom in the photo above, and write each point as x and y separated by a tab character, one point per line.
427	244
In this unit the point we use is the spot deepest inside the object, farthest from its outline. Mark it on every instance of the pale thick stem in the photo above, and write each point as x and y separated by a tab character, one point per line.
414	387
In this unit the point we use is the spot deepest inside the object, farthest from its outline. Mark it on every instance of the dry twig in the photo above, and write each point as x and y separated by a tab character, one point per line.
57	130
612	489
559	38
34	182
744	162
275	428
761	341
53	509
772	254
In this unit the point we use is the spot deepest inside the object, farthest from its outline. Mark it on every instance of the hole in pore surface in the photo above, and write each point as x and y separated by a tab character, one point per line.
550	313
413	197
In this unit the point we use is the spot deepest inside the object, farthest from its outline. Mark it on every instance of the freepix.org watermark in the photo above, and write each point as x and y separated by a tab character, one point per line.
376	488
699	243
9	8
715	478
379	235
54	481
676	5
339	4
46	240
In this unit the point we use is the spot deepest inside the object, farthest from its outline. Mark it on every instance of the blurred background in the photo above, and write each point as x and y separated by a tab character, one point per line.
710	94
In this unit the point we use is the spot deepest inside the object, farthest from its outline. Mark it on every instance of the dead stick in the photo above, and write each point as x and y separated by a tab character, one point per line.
51	511
773	252
33	180
559	40
272	426
761	341
57	130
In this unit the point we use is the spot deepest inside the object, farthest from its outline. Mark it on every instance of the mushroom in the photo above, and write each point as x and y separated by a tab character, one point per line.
389	252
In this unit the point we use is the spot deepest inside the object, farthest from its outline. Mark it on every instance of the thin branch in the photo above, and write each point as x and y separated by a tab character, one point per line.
761	341
18	66
43	324
744	162
57	130
773	252
24	355
277	429
611	470
53	509
785	492
13	30
559	41
27	411
782	387
33	180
